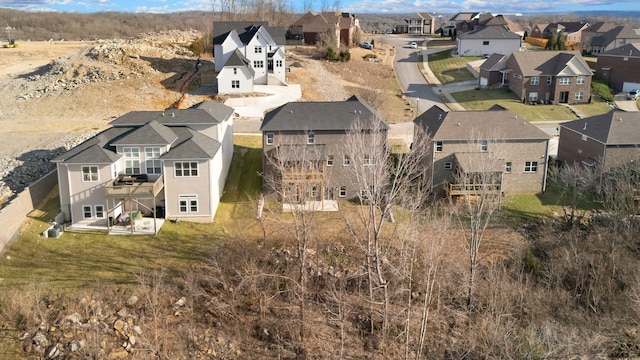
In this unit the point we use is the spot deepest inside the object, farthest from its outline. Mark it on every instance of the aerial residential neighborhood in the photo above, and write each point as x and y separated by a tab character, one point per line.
262	180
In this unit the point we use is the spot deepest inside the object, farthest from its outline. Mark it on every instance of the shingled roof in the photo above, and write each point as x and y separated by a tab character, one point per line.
618	32
246	30
556	63
468	125
322	115
490	32
177	117
612	128
628	50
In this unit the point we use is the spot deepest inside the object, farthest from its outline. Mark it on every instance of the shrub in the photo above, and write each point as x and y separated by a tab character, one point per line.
197	47
331	54
345	56
602	89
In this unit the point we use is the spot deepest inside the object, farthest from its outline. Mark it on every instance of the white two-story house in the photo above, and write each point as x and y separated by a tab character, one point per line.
248	53
162	164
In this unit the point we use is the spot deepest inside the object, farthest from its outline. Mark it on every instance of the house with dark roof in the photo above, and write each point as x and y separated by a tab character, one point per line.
549	77
571	30
620	67
317	27
488	39
608	140
310	137
420	23
494	72
248	53
460	23
596	41
495	145
160	164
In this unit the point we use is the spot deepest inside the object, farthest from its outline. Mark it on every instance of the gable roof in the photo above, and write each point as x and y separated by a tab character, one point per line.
601	27
238	60
467	125
246	30
612	128
173	117
628	50
322	115
618	32
464	16
490	32
95	150
557	63
152	133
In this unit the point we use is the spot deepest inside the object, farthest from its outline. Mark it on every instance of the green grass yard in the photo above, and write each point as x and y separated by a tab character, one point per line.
449	69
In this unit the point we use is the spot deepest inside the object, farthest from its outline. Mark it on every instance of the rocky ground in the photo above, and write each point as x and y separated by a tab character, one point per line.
55	95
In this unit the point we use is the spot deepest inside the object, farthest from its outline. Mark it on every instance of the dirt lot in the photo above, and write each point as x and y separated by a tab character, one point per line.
56	94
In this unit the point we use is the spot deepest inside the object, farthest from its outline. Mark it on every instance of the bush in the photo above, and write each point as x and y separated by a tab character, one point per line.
602	89
345	56
197	47
331	54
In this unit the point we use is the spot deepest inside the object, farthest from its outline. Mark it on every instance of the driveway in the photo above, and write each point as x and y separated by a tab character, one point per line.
624	104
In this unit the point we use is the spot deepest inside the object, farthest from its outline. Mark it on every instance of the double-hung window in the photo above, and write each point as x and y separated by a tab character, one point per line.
581	79
484	145
535	80
269	139
90	173
235	84
131	160
311	138
258	49
438	146
152	163
329	160
565	81
278	63
369	160
258	64
579	96
346	160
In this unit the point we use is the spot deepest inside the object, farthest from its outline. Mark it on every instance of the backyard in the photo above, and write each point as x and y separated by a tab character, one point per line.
449	69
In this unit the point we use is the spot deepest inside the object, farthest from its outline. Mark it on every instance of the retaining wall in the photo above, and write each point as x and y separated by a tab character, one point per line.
13	214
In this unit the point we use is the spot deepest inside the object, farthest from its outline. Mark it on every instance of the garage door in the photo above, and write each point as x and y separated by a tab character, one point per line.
628	86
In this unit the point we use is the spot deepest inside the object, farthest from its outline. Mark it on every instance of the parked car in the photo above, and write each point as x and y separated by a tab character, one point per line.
366	45
413	45
633	94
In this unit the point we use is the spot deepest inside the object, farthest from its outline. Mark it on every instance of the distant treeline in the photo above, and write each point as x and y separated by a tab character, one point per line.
21	25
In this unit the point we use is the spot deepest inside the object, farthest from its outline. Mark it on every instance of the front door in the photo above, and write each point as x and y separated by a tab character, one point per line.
564	97
270	65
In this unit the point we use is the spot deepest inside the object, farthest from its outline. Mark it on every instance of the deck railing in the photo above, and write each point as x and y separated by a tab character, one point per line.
148	189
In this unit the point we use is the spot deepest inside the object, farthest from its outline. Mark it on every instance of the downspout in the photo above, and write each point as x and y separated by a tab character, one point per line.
546	165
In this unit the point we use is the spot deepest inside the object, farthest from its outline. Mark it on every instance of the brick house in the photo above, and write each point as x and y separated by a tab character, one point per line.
600	39
166	164
312	27
620	67
607	139
472	142
549	77
572	30
313	134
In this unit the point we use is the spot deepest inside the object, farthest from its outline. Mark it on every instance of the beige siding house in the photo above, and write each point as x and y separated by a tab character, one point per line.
161	164
466	143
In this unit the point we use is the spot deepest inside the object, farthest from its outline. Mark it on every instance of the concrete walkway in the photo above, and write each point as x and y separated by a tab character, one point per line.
444	90
623	104
256	106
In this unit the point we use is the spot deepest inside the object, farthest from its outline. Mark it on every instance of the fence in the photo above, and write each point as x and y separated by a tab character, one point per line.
13	214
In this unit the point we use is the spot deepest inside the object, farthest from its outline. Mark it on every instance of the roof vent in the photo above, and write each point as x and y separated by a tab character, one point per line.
440	117
162	114
458	124
355	111
173	114
524	123
359	111
585	126
620	118
291	111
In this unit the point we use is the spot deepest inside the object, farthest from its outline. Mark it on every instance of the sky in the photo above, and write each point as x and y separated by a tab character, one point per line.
353	6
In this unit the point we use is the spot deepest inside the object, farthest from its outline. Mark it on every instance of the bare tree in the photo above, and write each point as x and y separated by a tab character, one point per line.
383	180
477	183
574	182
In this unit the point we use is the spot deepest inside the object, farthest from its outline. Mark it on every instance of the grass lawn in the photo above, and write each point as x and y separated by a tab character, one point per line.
448	69
485	99
81	259
597	107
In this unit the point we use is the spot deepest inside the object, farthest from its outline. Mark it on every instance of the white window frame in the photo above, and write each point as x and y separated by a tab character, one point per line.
329	160
311	138
369	160
530	166
98	209
131	152
269	137
152	152
153	166
87	209
533	96
342	192
448	165
565	80
188	204
581	79
189	169
90	173
346	160
235	84
131	165
257	49
258	64
508	166
439	146
535	80
579	96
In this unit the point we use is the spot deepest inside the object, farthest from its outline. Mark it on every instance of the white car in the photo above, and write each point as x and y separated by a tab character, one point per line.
633	94
413	45
366	45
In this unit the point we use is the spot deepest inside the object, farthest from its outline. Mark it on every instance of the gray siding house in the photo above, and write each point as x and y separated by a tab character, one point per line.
170	164
310	137
466	143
